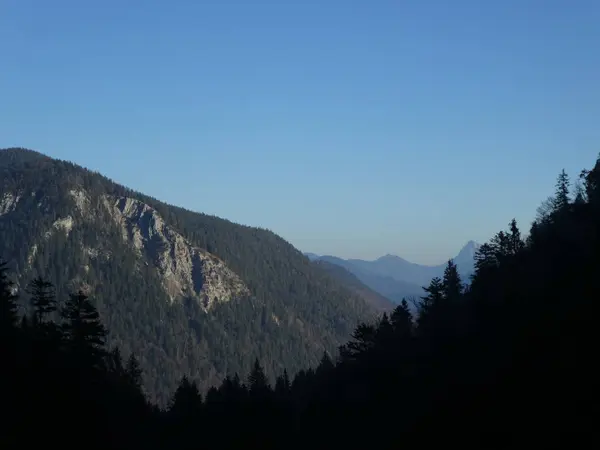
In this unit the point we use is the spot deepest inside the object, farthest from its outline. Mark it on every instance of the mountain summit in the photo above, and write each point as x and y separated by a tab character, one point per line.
467	253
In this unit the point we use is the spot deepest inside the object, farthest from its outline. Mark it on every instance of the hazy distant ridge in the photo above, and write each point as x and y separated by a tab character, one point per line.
394	277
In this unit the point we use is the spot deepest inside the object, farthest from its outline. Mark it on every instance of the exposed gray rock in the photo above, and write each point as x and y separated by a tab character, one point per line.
185	270
9	202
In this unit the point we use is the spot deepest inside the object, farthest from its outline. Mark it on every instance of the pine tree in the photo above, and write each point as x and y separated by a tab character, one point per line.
561	196
8	303
362	343
402	320
282	386
257	380
84	333
385	333
134	372
187	401
43	299
515	241
325	365
429	303
485	258
534	234
452	284
501	244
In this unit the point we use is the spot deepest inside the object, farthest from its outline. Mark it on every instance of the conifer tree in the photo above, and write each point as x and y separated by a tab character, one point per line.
452	284
283	385
485	258
402	320
326	363
257	380
187	401
561	196
43	299
83	331
8	303
134	373
516	243
362	342
428	305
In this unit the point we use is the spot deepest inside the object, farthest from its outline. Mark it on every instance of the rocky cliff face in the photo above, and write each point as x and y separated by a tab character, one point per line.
8	202
184	270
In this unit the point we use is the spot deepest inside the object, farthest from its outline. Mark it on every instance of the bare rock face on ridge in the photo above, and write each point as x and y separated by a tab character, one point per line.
185	270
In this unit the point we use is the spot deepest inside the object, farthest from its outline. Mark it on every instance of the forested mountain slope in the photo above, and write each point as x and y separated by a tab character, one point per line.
506	362
189	293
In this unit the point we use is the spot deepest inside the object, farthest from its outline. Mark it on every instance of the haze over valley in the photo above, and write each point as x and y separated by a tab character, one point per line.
397	278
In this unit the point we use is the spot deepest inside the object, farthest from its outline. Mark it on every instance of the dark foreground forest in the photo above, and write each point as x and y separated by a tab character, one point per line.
504	362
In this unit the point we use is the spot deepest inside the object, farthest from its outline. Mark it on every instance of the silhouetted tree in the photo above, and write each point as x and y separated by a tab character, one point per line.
362	342
283	385
452	284
8	303
516	243
257	380
134	373
187	401
429	305
43	299
561	196
84	333
402	320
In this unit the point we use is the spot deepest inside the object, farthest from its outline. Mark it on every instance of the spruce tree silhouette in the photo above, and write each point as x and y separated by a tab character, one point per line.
83	331
8	304
43	299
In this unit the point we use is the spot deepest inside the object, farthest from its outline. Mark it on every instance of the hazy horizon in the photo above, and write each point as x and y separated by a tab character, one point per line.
443	261
350	129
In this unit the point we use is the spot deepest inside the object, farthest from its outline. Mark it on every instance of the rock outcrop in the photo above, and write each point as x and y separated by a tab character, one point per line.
185	270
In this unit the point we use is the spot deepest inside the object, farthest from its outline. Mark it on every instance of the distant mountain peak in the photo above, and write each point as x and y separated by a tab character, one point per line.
390	257
469	250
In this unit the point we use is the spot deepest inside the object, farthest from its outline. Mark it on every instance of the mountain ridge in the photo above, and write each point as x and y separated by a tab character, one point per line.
467	249
191	293
380	302
395	277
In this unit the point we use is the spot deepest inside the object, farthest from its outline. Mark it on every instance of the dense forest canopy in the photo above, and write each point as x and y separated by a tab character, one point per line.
504	362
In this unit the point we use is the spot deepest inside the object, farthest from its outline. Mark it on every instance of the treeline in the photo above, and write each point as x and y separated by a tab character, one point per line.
504	360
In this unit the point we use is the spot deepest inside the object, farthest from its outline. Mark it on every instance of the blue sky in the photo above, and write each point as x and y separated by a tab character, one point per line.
354	128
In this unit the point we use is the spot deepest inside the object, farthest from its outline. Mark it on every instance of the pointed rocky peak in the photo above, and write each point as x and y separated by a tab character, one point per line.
466	257
469	250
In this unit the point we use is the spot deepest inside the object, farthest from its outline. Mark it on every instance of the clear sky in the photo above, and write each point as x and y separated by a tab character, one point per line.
353	128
